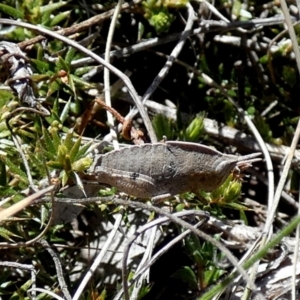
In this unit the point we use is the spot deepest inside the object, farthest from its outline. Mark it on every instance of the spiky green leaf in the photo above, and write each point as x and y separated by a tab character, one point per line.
49	142
13	12
14	169
74	150
66	111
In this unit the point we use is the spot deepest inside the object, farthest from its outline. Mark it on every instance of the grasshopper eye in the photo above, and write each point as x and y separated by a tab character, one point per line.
225	167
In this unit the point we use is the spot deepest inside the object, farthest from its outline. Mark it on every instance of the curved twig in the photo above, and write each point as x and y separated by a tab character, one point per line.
106	80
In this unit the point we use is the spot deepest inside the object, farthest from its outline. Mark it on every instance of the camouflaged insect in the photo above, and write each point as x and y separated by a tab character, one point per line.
161	170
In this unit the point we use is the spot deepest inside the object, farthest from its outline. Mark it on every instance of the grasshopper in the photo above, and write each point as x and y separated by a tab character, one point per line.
162	170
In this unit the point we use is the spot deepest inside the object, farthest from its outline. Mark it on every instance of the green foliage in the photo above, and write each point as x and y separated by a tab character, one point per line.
289	75
158	14
11	11
65	154
163	127
14	169
6	234
226	195
161	19
11	165
264	129
194	130
187	275
21	293
58	76
144	291
204	256
239	12
34	12
191	132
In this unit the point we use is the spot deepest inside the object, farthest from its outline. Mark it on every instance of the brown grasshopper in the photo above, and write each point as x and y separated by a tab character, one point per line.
162	170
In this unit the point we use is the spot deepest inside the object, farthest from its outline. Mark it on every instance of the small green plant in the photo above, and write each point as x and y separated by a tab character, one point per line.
165	127
158	14
65	154
227	196
194	130
205	256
